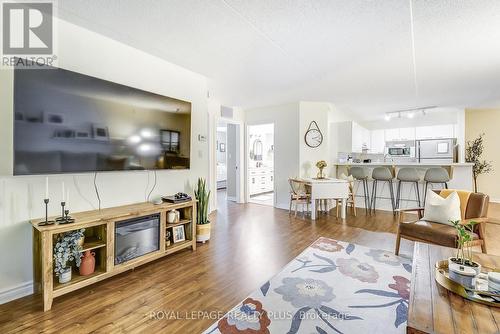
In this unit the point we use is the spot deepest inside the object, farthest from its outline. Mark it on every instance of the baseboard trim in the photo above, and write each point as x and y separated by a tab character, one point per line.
495	200
16	291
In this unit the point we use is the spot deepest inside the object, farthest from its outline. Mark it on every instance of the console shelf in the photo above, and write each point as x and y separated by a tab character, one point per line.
99	233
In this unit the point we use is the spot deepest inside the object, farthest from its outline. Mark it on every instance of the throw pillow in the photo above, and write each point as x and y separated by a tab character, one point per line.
442	210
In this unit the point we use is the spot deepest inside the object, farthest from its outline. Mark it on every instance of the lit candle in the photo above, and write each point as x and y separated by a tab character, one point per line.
63	192
46	188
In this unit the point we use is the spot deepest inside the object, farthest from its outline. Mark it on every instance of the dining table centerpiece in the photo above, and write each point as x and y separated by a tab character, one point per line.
321	165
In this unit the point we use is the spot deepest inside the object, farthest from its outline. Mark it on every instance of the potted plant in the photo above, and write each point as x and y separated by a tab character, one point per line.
462	268
473	153
66	250
202	194
321	165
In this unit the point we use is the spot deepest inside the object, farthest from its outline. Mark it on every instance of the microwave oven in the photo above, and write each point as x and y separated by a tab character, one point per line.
399	151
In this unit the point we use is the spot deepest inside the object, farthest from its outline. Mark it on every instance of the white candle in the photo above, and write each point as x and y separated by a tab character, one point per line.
46	188
67	196
63	192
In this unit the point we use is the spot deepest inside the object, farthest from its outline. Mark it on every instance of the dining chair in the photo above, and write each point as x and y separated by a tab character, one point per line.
298	195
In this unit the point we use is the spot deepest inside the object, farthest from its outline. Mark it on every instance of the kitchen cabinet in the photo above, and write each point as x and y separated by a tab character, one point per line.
392	134
435	131
406	133
399	134
377	141
352	137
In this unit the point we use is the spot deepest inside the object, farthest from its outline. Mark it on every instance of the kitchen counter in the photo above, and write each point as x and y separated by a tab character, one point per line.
460	174
396	164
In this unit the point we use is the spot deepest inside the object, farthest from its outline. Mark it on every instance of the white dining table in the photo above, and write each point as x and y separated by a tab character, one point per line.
328	188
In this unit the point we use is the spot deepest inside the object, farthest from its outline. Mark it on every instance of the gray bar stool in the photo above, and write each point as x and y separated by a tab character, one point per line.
436	175
409	175
361	174
382	174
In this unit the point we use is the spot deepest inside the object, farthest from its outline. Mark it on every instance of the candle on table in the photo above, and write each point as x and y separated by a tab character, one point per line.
63	193
67	196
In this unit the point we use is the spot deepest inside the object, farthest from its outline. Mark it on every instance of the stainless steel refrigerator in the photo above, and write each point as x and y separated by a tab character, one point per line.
436	150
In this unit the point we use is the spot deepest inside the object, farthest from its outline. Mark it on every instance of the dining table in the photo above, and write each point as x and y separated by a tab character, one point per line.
326	189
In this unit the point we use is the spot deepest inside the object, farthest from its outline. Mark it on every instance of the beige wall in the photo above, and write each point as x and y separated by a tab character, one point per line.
486	121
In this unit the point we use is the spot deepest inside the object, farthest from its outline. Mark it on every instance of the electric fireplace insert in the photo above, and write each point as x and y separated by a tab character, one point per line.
136	237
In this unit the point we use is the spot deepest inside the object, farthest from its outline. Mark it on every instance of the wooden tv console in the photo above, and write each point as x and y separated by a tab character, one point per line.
99	228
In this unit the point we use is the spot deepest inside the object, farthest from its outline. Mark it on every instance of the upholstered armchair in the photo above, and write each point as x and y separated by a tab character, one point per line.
473	206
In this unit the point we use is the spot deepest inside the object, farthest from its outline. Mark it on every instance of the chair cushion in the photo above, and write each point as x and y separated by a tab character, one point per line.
435	233
442	210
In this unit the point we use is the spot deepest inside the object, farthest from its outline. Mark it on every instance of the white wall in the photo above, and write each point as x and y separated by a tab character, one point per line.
286	152
318	112
86	52
232	160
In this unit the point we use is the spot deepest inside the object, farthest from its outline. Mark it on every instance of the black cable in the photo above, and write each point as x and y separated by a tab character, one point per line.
154	186
97	191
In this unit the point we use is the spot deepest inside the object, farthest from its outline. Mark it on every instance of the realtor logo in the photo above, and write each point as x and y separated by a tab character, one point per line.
27	28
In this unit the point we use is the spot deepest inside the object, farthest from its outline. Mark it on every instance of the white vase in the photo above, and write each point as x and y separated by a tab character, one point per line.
463	274
65	276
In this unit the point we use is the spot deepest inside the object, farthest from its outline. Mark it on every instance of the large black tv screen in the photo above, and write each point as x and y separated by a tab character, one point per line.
66	122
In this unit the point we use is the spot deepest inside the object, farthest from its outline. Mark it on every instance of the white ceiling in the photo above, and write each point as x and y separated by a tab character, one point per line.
353	53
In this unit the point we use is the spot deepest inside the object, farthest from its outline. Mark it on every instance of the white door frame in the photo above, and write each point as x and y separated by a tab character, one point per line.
239	151
247	179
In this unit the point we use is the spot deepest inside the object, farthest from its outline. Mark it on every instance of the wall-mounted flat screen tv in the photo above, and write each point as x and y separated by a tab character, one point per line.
67	122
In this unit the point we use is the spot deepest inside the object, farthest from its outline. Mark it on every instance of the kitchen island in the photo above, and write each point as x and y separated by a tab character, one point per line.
460	178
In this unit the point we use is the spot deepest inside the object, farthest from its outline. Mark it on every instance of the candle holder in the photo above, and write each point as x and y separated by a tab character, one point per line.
47	221
62	218
67	219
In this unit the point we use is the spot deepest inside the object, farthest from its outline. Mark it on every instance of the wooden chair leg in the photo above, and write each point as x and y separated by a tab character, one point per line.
483	247
290	209
398	241
336	208
296	205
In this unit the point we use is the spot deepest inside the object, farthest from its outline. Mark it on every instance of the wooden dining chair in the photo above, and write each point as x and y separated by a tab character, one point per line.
350	200
298	195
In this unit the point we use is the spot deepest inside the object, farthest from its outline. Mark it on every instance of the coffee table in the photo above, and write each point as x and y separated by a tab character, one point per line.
433	309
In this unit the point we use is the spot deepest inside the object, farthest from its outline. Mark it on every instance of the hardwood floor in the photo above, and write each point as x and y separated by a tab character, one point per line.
250	243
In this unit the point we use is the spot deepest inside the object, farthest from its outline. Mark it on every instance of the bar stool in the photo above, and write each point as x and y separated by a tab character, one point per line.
436	175
361	174
410	175
382	174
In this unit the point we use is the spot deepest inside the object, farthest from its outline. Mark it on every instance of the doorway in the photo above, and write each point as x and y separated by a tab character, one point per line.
227	162
260	167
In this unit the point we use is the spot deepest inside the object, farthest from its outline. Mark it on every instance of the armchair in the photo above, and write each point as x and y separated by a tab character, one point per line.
474	206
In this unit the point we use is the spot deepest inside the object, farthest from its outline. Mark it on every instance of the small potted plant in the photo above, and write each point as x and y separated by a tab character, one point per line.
66	250
321	165
462	268
202	194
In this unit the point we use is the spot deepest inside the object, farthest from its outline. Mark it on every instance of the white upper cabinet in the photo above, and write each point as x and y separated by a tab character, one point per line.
407	134
360	138
352	137
435	131
377	142
392	134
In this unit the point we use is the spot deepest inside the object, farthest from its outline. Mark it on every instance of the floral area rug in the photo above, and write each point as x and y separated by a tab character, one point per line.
332	287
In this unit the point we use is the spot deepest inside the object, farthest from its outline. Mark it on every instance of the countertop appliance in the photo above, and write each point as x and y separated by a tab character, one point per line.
400	149
437	150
